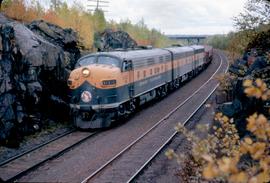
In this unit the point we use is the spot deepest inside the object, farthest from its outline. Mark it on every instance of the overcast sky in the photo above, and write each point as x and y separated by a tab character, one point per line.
176	16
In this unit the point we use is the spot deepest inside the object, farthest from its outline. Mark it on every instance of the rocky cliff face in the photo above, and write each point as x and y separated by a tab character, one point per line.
35	61
111	40
254	64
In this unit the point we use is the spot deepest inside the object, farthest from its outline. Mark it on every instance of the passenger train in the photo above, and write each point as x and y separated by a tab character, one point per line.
106	86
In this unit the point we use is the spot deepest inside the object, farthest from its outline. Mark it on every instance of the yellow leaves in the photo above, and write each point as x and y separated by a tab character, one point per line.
247	83
170	154
244	147
253	92
223	166
207	158
210	171
222	118
258	89
258	167
179	127
259	126
251	126
248	140
225	81
200	148
240	177
218	116
228	165
257	150
260	178
223	153
265	164
260	84
225	119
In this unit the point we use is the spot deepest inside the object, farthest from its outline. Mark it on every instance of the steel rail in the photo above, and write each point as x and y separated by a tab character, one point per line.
35	148
23	172
148	131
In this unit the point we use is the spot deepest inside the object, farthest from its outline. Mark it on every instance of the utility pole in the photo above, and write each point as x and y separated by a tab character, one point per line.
98	5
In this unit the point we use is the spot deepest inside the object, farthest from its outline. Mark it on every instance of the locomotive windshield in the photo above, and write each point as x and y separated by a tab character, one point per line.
105	60
87	61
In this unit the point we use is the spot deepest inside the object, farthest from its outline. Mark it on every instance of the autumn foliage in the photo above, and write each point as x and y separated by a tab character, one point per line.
84	22
222	156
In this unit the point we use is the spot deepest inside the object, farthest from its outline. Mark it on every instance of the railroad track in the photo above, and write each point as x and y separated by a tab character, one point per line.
19	165
164	145
100	171
34	148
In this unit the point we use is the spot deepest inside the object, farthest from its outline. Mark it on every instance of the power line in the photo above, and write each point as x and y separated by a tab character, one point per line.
99	1
99	4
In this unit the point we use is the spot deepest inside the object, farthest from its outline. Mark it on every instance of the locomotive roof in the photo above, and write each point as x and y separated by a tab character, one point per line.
197	47
141	56
133	54
180	49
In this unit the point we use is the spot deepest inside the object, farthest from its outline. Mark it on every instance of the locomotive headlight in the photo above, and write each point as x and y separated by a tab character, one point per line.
85	72
86	96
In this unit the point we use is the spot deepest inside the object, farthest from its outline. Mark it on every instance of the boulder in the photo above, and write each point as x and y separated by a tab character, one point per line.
35	62
111	40
242	106
67	39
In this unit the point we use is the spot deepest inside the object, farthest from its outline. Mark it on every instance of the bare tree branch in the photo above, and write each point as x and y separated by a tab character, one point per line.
257	12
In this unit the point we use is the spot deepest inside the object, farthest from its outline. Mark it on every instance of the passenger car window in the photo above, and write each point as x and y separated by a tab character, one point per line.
108	61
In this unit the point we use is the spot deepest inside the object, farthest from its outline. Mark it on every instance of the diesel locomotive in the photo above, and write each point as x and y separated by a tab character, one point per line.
108	85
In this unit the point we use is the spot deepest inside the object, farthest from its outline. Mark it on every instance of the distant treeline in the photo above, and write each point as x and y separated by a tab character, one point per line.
77	18
252	22
236	42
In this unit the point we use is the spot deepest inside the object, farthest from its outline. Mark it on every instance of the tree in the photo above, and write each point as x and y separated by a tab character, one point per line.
6	3
1	3
55	4
99	20
256	13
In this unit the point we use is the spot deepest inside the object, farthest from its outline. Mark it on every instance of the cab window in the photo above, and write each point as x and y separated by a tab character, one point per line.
108	61
87	61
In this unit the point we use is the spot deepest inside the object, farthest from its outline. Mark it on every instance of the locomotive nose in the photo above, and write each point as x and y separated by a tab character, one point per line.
97	75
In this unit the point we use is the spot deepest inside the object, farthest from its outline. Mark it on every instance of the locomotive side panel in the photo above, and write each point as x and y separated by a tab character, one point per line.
151	72
182	61
199	58
190	63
